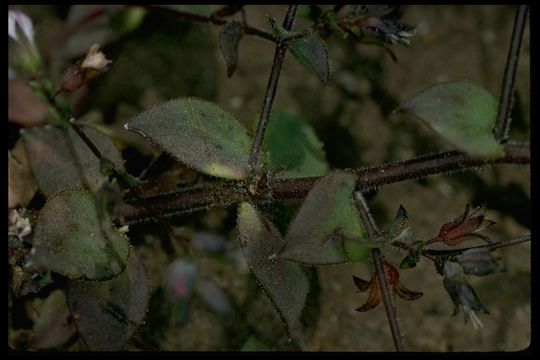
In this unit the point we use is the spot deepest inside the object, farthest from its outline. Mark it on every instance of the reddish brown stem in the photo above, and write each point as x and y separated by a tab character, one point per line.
228	193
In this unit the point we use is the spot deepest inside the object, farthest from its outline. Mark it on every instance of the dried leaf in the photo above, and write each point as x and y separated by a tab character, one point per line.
70	240
199	134
283	282
462	113
228	43
107	313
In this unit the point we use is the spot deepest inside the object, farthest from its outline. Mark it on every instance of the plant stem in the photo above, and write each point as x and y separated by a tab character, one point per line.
490	247
227	193
85	138
279	55
249	30
505	103
373	233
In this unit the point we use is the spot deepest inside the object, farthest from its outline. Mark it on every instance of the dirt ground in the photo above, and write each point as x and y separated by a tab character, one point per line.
453	43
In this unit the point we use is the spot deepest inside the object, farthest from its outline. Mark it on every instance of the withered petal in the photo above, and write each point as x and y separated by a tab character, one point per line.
362	285
406	294
374	299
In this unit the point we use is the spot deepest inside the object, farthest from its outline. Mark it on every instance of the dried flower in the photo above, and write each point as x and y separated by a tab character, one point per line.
388	31
461	293
464	227
21	30
375	293
94	64
19	225
479	262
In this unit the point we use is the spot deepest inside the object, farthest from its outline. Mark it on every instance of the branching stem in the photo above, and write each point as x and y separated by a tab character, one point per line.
373	233
227	193
279	55
505	102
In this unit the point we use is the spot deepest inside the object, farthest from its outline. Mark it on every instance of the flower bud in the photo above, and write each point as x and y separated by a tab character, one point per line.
21	31
94	64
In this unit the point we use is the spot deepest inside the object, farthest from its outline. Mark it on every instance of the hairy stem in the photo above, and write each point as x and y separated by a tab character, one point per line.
249	30
373	233
279	55
505	103
490	247
227	193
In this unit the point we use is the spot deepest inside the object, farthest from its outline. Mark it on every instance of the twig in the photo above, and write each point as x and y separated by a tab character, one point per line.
227	193
373	233
279	55
249	30
503	115
489	247
85	138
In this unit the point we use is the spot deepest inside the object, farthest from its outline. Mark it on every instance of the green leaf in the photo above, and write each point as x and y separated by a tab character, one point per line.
107	313
70	240
327	219
228	43
462	113
410	260
294	149
60	160
311	52
284	283
51	328
199	134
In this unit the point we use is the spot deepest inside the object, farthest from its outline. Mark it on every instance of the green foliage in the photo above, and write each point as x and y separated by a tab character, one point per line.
107	313
462	113
327	218
51	328
283	282
294	149
199	134
311	52
70	240
60	160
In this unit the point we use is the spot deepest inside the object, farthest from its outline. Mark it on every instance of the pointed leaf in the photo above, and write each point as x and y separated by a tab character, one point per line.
462	113
70	240
284	283
228	43
199	134
326	218
293	147
60	160
107	313
311	52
